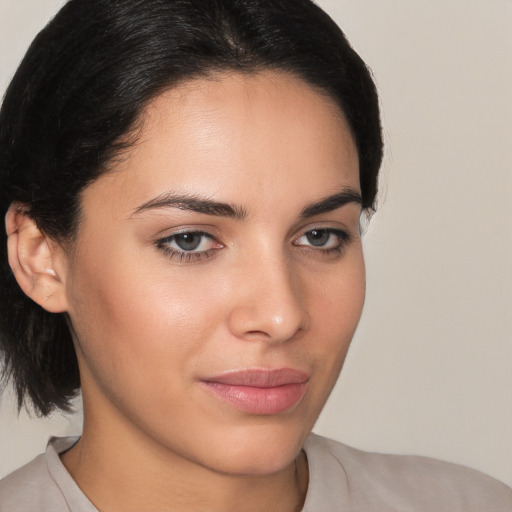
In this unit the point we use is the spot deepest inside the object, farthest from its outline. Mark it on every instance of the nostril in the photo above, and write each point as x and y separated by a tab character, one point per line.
256	334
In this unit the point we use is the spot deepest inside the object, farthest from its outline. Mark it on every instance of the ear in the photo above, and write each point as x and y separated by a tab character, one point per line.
38	263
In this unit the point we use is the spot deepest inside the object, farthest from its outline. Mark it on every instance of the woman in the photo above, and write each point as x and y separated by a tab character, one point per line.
184	183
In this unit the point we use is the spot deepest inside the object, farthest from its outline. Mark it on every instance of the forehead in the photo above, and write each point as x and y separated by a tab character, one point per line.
235	135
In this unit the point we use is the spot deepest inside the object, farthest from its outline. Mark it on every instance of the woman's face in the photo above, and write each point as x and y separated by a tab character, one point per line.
218	277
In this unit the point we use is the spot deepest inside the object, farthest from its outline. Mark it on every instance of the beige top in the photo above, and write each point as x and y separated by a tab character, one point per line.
341	479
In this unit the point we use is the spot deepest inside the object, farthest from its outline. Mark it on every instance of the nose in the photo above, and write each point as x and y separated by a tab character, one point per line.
269	303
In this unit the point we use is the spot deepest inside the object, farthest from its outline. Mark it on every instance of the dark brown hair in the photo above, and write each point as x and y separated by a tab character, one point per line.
81	88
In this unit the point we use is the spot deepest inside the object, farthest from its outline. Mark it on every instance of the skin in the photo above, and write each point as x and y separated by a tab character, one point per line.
148	326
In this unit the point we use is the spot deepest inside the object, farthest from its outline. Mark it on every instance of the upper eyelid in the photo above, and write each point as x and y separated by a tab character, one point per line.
328	225
170	232
209	231
189	231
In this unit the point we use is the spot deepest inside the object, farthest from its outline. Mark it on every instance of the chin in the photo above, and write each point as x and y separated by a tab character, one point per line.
256	451
257	462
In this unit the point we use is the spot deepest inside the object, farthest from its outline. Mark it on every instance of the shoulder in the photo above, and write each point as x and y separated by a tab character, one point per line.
374	481
37	486
30	488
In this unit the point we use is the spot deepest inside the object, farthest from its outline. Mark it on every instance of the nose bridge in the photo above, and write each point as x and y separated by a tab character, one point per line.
271	302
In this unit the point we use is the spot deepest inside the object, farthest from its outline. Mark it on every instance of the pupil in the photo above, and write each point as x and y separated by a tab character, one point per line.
318	237
188	241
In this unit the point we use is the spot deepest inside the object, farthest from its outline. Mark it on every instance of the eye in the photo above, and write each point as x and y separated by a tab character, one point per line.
189	245
189	241
325	239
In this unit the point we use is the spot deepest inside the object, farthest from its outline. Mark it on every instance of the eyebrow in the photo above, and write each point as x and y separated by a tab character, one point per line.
198	204
330	203
193	203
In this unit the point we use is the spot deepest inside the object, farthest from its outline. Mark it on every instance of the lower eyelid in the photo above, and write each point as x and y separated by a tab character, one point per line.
188	256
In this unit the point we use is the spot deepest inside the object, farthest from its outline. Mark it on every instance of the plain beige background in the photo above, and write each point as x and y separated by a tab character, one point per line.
430	369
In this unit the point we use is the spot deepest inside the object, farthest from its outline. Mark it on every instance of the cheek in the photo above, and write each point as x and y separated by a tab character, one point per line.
138	325
335	310
338	296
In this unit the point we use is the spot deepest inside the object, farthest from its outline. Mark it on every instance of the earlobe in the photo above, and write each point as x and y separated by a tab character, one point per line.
33	258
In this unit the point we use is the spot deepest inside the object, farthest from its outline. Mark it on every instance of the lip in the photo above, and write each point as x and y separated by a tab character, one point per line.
259	391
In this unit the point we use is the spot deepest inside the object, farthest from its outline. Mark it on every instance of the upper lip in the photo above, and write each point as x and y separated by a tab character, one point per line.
260	378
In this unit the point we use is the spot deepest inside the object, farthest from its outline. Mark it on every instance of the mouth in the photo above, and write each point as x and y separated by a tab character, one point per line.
259	391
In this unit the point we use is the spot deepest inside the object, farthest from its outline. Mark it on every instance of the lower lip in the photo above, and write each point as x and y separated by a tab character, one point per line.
256	400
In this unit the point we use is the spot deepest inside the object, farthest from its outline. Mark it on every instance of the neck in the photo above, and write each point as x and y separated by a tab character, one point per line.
120	468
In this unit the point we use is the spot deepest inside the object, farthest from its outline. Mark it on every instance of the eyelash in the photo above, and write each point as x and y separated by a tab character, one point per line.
344	240
182	255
